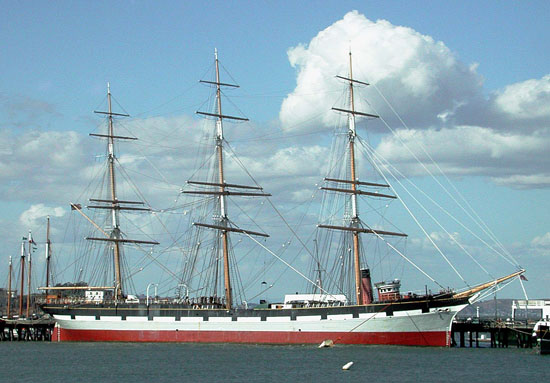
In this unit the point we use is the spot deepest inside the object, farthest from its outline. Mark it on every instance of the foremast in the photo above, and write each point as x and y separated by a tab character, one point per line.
223	225
115	233
221	180
114	204
355	224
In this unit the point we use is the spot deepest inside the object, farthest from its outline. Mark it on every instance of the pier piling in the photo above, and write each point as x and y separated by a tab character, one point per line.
500	334
26	330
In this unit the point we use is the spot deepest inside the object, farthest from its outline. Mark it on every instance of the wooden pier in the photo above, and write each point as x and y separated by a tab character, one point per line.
26	329
496	333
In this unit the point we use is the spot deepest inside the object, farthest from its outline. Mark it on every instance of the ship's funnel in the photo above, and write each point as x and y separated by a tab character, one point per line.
366	287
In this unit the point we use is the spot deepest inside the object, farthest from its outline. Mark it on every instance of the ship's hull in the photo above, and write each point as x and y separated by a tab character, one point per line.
426	323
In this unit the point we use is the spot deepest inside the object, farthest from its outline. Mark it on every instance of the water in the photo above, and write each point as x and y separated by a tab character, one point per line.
156	362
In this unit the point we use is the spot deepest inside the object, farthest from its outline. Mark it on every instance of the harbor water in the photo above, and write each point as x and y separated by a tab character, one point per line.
154	362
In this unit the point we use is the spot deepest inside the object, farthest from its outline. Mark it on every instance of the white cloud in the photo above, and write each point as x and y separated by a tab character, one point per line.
527	100
531	181
291	161
505	136
422	77
519	107
515	159
36	215
36	165
542	241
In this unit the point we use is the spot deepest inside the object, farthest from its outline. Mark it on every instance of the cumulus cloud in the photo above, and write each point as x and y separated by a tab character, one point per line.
503	135
36	215
527	100
508	158
38	164
422	77
523	106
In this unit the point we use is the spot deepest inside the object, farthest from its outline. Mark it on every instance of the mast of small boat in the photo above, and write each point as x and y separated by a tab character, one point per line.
8	313
31	242
48	255
22	281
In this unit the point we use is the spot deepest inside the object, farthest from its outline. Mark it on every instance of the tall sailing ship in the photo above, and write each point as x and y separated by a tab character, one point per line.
346	310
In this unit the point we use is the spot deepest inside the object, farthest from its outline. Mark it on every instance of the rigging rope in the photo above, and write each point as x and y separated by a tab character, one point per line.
389	166
476	219
420	225
290	266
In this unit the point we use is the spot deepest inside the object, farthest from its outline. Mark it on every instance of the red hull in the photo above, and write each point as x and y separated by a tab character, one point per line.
439	338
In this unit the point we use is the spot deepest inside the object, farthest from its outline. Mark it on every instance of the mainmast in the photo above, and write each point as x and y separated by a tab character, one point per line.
221	180
9	290
224	226
355	225
113	204
22	281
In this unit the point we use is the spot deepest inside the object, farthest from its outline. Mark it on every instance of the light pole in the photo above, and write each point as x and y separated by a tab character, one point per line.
186	289
149	285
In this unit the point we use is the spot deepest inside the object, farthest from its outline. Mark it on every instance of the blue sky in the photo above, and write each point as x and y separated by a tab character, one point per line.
56	58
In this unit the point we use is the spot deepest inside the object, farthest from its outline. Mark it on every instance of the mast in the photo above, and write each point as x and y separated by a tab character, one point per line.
22	281
353	178
224	225
48	255
31	242
221	180
114	204
9	290
115	234
355	224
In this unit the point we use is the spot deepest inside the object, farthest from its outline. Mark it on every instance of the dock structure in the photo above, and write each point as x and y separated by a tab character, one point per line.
26	329
497	333
532	304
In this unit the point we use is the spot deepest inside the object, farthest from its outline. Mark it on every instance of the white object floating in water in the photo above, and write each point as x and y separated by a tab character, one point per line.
326	343
347	366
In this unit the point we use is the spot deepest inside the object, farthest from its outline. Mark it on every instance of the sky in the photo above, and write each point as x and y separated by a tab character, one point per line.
469	82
